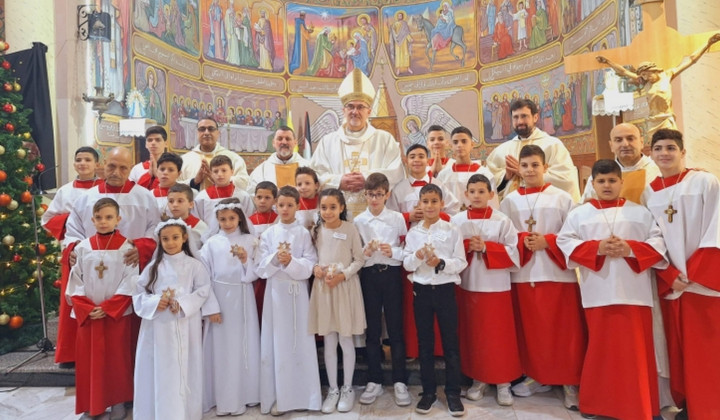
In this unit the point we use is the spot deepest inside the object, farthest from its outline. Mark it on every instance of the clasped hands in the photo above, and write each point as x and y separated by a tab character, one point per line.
376	245
614	247
535	241
330	276
430	258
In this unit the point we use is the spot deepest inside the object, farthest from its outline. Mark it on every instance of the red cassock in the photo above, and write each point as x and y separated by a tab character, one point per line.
486	325
551	329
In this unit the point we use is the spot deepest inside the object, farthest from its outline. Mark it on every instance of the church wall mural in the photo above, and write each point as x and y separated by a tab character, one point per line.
254	65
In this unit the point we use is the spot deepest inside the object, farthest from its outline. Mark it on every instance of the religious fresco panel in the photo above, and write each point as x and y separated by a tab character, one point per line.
513	27
247	120
429	37
564	103
330	42
148	99
600	76
247	35
174	22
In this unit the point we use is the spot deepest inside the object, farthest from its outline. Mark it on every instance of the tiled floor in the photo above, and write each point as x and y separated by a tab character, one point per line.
58	404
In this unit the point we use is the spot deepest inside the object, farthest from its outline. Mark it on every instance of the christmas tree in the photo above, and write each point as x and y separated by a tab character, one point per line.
20	313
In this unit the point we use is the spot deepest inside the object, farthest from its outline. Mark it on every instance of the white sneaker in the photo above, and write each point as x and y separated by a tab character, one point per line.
528	387
571	397
331	401
402	396
372	391
504	396
347	399
476	391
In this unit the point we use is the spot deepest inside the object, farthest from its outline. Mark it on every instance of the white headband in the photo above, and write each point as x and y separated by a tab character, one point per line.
228	206
170	222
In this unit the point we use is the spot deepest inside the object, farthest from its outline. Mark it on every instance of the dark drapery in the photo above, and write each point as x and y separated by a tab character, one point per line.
30	67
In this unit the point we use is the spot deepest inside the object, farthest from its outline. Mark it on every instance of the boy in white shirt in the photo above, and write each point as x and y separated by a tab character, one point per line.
435	256
382	231
168	168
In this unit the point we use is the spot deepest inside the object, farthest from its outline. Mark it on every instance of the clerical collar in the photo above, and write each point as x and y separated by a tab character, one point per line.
86	183
479	213
629	167
606	204
220	192
532	190
263	218
111	189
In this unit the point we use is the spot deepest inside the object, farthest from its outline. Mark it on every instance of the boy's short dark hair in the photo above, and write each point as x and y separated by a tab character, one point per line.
417	146
475	178
532	150
156	129
524	103
377	180
267	185
606	166
461	130
106	202
306	170
431	188
668	134
88	149
220	160
436	127
172	158
182	188
289	191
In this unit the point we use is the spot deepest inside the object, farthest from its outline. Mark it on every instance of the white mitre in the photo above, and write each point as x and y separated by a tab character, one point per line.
356	87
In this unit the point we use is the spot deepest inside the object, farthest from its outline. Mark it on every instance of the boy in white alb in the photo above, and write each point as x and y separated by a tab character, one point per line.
405	194
145	173
455	176
264	217
382	231
686	206
488	340
615	242
221	171
551	328
180	203
435	256
168	170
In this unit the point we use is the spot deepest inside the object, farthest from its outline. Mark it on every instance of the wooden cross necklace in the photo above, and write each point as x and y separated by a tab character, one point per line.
670	211
100	268
531	220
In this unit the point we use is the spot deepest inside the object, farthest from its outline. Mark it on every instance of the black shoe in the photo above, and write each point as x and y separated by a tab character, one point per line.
426	403
455	406
66	365
682	414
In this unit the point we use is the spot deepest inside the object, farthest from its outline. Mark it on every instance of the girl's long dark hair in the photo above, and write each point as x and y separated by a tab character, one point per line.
243	225
333	192
154	267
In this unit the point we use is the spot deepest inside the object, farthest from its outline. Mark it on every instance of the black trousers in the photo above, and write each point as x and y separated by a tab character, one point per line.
382	290
430	301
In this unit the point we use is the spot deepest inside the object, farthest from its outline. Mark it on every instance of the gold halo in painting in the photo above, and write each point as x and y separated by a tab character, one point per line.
409	118
364	15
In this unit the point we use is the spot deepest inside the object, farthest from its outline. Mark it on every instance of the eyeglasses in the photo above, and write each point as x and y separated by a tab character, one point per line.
359	108
374	196
207	128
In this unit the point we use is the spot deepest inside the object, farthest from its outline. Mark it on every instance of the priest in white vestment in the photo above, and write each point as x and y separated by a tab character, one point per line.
279	168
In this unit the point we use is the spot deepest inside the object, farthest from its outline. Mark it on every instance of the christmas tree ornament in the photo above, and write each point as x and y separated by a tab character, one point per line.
3	46
15	322
8	240
25	197
57	284
38	275
26	135
40	211
3	176
40	167
2	150
8	86
5	200
17	258
41	249
17	87
28	180
21	153
9	127
4	319
9	108
5	64
13	205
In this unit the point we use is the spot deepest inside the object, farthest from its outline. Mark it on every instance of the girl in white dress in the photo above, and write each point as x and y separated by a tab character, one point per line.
336	303
169	296
231	346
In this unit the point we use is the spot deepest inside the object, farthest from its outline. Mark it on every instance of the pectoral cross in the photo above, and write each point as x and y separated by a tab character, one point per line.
355	161
530	222
100	269
670	212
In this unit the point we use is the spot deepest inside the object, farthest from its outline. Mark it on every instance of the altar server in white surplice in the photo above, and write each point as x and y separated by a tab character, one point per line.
615	242
169	297
231	346
289	376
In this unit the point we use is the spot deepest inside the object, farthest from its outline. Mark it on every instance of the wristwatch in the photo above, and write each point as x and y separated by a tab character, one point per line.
440	267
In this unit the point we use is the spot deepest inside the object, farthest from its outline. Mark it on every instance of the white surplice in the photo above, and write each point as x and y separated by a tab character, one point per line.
645	163
456	182
231	349
615	283
404	197
289	374
169	361
205	206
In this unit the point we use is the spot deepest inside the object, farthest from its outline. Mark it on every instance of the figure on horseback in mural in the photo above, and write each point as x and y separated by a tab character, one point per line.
442	34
